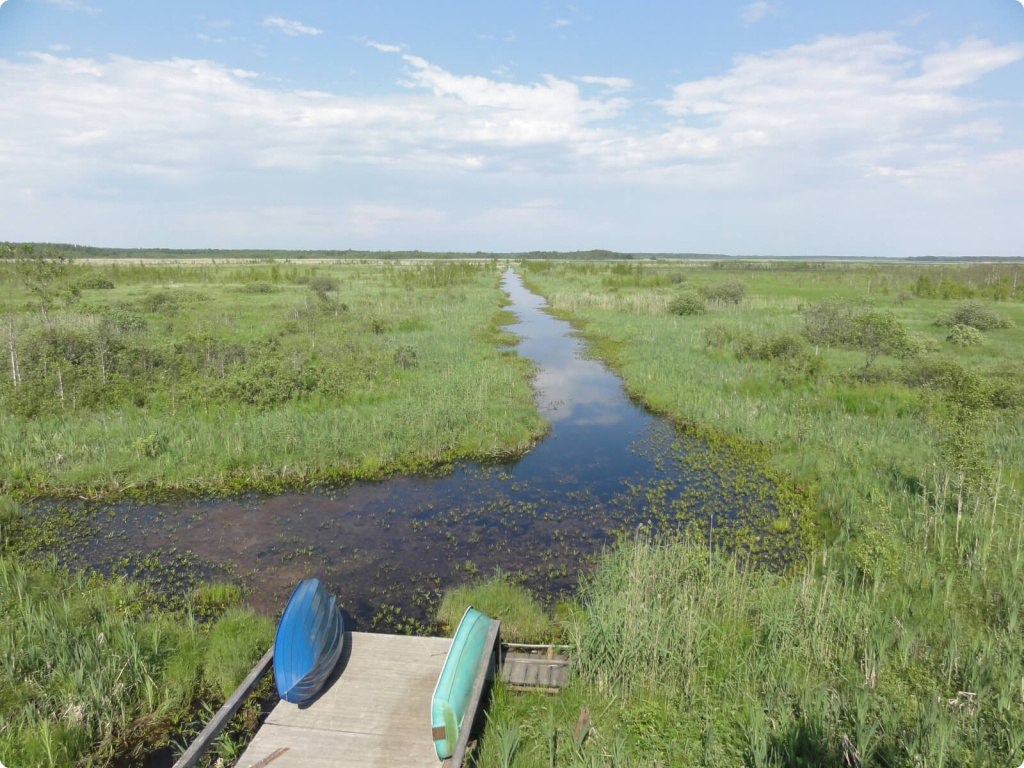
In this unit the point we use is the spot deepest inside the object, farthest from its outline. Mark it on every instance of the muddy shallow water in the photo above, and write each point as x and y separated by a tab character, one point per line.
387	549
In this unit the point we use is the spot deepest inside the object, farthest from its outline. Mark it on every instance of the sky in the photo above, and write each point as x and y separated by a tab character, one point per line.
773	127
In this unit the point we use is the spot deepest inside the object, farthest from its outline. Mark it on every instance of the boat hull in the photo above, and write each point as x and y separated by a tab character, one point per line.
454	686
308	643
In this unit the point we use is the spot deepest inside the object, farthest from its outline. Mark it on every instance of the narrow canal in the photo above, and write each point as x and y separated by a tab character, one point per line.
388	549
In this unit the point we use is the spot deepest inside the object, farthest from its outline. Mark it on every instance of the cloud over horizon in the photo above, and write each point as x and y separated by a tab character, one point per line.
847	111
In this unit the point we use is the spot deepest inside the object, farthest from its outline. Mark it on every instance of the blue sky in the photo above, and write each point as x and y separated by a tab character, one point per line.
766	127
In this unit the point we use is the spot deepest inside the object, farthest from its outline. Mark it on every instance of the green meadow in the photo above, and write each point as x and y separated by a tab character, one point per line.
134	376
896	639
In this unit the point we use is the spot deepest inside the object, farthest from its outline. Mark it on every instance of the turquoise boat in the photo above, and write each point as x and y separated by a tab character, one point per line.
308	643
451	695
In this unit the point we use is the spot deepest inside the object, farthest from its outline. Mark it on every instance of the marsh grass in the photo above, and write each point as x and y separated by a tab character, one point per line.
523	619
186	377
897	642
88	676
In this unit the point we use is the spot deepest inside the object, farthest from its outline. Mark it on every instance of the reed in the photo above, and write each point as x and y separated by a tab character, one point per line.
896	641
180	377
88	677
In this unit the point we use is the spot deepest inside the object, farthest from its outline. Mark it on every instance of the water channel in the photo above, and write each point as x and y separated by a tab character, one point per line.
387	549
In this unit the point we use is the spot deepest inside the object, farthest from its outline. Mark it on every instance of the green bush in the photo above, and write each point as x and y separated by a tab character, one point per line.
322	284
768	346
879	333
718	335
123	319
921	344
688	303
831	323
1006	384
259	287
930	371
406	357
965	336
96	283
728	292
976	315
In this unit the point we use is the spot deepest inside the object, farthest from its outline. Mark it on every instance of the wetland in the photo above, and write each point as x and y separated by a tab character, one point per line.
773	508
389	548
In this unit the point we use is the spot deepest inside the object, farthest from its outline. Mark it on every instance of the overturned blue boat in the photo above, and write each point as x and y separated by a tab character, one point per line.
308	643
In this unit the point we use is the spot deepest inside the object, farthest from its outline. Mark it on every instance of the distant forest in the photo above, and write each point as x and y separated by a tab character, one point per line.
92	252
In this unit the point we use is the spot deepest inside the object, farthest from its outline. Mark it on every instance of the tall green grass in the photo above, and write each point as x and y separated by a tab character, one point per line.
88	676
523	619
180	377
898	641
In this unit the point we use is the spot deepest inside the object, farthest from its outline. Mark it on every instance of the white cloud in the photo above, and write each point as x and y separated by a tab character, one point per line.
837	113
2	3
384	47
561	23
755	12
290	28
611	83
838	100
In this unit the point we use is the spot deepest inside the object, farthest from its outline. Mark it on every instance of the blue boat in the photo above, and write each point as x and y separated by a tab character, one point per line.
308	643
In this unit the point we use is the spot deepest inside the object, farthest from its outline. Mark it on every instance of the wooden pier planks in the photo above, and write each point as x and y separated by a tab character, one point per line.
535	671
374	715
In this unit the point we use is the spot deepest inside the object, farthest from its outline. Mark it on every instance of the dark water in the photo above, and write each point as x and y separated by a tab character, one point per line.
388	549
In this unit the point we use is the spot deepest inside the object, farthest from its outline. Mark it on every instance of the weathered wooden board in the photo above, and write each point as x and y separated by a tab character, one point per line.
374	712
540	670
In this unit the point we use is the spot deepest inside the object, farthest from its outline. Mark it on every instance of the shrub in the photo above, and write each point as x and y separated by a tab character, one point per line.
161	301
769	346
830	323
729	292
323	284
1006	384
406	357
965	336
879	333
260	287
124	319
921	344
96	283
976	315
782	345
930	371
718	335
874	375
687	304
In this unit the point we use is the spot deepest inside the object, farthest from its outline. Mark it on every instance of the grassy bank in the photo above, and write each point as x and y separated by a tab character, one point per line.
898	642
228	377
91	676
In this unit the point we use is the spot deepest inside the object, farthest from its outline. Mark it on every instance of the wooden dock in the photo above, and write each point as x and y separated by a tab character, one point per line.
534	668
374	711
